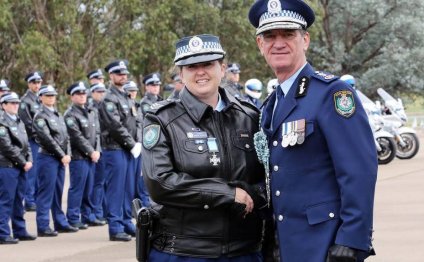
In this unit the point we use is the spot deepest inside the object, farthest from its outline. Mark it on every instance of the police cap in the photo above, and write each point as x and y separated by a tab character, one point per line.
95	74
152	79
77	87
4	85
267	15
11	97
233	68
98	87
34	77
47	90
198	49
130	86
118	67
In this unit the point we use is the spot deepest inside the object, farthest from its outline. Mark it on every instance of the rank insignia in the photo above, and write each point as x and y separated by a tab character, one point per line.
110	107
151	136
344	103
302	87
2	131
41	123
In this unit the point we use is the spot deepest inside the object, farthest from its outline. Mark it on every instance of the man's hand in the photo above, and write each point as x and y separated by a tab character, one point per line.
243	197
27	166
66	160
338	253
95	156
136	150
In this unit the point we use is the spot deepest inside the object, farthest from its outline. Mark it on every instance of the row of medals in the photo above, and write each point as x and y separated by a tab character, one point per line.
293	133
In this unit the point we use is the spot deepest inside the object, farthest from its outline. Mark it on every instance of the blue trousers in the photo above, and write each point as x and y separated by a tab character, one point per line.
50	179
97	196
81	187
31	175
142	192
12	188
116	169
156	256
134	170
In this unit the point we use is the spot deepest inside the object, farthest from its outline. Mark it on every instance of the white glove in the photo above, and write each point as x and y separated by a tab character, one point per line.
136	150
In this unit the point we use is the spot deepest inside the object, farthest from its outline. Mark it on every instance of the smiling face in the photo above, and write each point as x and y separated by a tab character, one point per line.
203	79
284	50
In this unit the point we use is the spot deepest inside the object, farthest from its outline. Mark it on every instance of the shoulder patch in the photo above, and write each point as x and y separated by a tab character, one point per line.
158	106
41	123
344	103
69	122
151	135
325	77
3	131
23	105
110	107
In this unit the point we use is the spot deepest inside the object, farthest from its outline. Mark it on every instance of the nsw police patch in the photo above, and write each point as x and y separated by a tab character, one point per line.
23	105
344	103
110	107
69	122
151	136
41	123
2	131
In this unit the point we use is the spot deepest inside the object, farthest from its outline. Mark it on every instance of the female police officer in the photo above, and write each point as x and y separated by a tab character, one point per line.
15	160
200	165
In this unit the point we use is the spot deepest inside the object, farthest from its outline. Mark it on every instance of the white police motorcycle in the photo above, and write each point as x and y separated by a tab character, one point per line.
407	141
384	141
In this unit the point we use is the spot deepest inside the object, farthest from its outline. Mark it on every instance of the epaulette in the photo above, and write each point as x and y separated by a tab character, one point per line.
325	77
158	106
247	103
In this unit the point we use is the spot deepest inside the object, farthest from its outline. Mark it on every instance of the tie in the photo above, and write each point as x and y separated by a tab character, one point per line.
280	102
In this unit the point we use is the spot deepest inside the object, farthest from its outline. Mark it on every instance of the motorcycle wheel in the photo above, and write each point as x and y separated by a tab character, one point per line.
410	149
388	150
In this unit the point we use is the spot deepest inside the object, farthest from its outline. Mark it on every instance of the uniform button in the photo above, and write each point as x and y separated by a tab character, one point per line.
247	146
200	148
331	215
275	168
280	218
277	193
206	207
275	143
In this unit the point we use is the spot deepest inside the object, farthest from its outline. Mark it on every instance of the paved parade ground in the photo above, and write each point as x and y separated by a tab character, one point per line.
398	224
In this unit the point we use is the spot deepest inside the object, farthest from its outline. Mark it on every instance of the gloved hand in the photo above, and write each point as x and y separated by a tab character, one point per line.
257	192
338	253
136	150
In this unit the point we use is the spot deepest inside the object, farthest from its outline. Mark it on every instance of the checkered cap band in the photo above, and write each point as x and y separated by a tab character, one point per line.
9	97
47	90
118	67
98	86
283	16
207	48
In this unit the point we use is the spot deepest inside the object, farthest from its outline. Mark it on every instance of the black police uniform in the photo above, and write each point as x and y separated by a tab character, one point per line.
52	136
81	123
192	160
232	88
119	128
14	154
147	101
28	108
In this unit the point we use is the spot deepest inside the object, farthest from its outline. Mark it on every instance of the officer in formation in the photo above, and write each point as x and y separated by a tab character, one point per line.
95	77
253	91
28	108
98	91
321	148
232	78
118	131
81	122
178	86
200	165
15	161
54	155
152	86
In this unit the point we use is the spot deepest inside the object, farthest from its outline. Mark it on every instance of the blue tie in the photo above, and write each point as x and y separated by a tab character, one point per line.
280	102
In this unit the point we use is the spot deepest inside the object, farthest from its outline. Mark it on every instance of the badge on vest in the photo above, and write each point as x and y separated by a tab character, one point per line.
293	133
151	135
3	131
344	103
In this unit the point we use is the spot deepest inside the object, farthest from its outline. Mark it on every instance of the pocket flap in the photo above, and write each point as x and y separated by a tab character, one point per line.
322	212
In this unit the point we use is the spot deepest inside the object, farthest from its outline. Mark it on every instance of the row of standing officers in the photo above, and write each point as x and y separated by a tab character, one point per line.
100	141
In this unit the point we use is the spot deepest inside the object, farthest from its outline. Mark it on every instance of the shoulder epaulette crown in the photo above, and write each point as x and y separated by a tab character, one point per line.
158	106
326	77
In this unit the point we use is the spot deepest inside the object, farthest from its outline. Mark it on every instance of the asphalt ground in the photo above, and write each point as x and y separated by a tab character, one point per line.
398	224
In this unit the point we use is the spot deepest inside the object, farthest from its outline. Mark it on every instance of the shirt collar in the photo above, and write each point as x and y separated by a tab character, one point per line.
220	105
285	86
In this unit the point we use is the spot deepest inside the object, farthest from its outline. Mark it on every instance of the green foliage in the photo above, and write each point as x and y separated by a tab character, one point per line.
379	42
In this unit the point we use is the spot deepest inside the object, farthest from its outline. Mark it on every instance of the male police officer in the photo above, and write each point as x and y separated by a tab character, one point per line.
28	108
98	91
152	84
232	78
96	76
81	123
118	132
178	86
54	154
321	148
15	160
